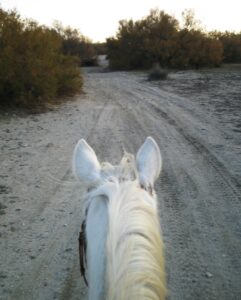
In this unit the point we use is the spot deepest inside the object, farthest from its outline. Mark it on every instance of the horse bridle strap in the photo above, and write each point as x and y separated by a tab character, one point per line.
82	251
83	242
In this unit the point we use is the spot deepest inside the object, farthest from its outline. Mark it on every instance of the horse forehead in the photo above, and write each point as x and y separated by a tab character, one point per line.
108	168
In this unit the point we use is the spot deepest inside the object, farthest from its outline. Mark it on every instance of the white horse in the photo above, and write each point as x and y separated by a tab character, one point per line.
124	247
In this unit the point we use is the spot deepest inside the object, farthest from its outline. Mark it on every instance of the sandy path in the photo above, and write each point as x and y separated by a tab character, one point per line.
199	190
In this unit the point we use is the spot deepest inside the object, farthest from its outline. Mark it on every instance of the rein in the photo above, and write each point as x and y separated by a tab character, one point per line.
83	242
82	251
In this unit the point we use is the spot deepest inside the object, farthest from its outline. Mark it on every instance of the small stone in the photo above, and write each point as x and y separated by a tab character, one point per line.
12	228
2	206
49	145
208	275
68	249
3	276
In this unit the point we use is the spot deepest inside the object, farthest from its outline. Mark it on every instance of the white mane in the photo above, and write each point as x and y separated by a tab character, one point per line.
124	246
135	266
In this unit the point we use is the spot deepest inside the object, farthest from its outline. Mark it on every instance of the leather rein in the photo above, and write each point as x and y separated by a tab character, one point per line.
82	251
83	242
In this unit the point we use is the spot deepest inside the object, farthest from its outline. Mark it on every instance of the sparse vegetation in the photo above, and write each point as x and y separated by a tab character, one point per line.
39	64
76	44
157	73
100	48
34	69
231	45
160	38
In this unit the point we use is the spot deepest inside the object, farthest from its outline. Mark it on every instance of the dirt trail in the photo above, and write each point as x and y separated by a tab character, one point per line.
198	191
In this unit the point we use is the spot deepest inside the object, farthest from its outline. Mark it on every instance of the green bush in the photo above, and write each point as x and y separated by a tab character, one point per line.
75	44
157	73
33	68
139	44
231	45
159	38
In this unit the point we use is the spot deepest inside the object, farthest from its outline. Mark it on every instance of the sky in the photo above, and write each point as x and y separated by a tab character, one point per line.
99	20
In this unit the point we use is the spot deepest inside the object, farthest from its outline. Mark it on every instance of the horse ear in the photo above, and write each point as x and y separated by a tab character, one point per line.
149	163
85	163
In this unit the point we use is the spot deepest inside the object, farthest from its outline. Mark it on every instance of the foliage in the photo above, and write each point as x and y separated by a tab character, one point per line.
231	46
139	44
33	68
100	48
159	38
157	73
76	44
195	49
189	20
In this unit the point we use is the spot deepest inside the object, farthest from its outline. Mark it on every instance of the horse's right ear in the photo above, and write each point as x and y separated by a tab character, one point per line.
85	164
149	163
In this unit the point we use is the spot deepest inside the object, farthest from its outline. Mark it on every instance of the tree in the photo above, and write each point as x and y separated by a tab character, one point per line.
231	45
76	44
159	39
140	44
189	20
33	68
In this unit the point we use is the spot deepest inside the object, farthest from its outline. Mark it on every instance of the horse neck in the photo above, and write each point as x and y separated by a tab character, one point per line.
96	232
135	265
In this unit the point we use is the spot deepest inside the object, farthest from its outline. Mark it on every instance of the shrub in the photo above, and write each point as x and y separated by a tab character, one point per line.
33	68
159	38
75	44
157	73
231	46
139	44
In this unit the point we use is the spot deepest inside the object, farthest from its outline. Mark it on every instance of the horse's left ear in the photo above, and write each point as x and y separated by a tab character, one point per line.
85	164
149	163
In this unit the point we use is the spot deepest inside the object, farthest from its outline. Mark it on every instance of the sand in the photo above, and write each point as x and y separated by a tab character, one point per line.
194	117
